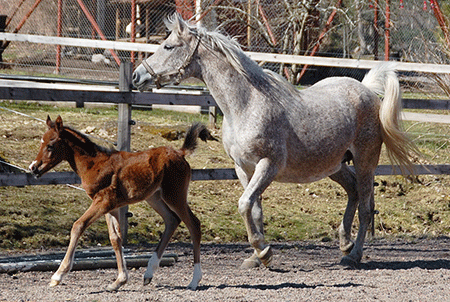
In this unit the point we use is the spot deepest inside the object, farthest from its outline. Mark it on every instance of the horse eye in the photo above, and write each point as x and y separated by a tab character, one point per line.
168	47
50	148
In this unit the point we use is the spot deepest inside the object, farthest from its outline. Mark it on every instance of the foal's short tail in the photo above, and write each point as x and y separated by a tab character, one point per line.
197	130
383	80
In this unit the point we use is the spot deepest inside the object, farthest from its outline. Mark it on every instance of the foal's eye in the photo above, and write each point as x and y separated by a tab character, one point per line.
168	47
50	148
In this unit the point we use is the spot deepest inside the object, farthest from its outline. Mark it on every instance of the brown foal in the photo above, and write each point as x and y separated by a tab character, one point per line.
113	179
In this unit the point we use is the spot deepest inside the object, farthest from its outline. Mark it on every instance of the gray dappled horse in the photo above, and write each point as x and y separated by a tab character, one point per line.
273	131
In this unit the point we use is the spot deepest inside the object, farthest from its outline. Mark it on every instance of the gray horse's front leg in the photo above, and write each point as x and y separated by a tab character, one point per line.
253	261
257	214
251	211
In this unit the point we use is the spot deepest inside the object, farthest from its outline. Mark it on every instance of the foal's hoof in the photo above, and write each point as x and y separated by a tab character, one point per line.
147	281
53	283
251	262
349	262
266	256
114	286
111	288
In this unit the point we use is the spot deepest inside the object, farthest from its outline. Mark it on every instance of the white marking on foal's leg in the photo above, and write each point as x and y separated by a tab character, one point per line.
56	279
153	264
196	278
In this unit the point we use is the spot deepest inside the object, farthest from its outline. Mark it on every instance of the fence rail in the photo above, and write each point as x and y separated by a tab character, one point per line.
22	90
257	56
63	178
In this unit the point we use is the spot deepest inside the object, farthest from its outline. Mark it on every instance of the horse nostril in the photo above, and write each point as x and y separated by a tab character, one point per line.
135	77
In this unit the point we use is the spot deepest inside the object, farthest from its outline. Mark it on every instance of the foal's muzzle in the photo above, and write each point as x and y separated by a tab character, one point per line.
34	169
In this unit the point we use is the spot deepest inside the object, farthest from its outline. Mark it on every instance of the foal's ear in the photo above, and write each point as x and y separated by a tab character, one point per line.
49	121
59	124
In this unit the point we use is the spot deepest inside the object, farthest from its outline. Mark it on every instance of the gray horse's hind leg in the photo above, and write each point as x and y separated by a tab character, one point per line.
365	192
251	210
347	179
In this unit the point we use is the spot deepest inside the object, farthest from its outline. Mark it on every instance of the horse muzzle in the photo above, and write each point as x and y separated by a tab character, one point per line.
142	80
34	169
145	78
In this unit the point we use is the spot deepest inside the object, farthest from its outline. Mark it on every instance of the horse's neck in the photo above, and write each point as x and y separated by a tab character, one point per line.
228	87
78	156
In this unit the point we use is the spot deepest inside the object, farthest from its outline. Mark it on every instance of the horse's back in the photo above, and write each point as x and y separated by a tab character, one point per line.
146	171
343	89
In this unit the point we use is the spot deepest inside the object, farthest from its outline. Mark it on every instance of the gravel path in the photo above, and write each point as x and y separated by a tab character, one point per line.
302	271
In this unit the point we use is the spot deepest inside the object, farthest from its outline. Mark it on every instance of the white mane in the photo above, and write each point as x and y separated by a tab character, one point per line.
213	39
230	48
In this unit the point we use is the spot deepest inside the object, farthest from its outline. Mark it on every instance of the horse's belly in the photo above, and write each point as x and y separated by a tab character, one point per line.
304	175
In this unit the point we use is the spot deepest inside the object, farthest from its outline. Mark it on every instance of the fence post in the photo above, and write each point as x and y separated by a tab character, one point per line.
212	117
124	133
2	29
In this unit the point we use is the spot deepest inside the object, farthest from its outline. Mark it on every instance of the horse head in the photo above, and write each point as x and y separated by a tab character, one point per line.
52	150
171	62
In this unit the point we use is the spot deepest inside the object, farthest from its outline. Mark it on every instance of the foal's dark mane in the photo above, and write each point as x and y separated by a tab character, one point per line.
84	143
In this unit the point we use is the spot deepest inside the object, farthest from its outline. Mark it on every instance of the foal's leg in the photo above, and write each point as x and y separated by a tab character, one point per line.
347	179
171	222
265	172
96	210
115	236
175	197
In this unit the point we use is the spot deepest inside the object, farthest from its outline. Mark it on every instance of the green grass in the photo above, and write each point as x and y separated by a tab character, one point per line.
42	216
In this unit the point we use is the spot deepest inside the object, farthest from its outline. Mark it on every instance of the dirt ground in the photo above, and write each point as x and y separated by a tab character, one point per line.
398	270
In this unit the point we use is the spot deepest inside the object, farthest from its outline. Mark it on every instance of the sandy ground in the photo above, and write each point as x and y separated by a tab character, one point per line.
302	271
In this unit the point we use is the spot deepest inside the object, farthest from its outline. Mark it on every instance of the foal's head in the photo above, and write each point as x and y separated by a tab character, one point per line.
52	150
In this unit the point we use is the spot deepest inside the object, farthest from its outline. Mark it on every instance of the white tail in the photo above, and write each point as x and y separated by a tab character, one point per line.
383	80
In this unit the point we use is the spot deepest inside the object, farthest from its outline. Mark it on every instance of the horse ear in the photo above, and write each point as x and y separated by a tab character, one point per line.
59	124
181	25
49	121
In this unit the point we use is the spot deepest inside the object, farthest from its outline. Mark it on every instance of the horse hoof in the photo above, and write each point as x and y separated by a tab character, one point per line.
266	256
349	262
251	262
192	286
111	288
54	283
347	248
147	281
